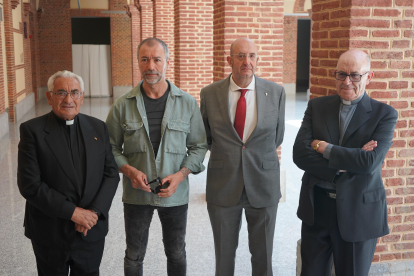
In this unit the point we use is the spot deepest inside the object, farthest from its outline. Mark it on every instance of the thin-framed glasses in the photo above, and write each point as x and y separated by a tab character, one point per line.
242	56
63	94
354	77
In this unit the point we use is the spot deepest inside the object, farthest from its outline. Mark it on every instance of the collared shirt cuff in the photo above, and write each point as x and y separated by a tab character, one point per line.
193	165
327	151
121	160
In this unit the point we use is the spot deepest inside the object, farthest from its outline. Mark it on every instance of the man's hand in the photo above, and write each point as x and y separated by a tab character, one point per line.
322	145
138	178
370	146
85	218
81	229
174	180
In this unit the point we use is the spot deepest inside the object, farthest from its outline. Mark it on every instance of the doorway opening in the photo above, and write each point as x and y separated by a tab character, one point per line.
303	55
91	54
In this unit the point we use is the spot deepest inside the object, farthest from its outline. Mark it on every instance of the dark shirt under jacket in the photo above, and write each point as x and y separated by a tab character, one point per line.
74	142
155	111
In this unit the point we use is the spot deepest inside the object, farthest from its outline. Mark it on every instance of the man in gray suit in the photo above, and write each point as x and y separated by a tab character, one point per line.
244	120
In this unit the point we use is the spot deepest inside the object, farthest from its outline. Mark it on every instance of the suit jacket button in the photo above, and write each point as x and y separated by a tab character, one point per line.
244	147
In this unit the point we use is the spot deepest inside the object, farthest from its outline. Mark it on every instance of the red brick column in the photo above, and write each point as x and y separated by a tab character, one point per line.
193	30
261	21
121	54
164	29
55	39
134	13
383	28
26	8
147	19
2	90
10	62
34	47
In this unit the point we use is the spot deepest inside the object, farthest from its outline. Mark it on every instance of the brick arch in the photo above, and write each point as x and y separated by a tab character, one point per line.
299	6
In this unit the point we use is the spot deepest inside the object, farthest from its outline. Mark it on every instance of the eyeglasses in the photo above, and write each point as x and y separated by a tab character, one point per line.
157	186
354	77
242	56
64	94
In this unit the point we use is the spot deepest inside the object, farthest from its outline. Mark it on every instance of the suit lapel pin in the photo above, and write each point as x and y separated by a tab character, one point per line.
96	138
266	94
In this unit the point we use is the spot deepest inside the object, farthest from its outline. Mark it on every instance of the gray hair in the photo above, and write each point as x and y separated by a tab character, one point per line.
64	74
151	42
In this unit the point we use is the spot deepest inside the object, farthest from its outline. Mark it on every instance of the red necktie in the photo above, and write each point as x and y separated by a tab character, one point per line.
240	117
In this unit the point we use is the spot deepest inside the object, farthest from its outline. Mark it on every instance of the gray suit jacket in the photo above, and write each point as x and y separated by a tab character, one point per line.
234	165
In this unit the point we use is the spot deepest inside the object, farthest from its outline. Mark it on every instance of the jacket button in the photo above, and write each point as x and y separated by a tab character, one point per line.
244	147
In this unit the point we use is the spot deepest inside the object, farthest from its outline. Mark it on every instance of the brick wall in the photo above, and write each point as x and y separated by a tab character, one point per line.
164	29
34	46
135	40
383	28
193	35
27	51
55	39
261	21
2	91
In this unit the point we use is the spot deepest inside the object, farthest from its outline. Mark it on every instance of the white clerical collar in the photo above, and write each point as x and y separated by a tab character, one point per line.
354	102
68	123
234	87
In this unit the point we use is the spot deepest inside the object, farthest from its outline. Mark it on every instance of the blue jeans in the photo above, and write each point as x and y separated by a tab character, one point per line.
137	222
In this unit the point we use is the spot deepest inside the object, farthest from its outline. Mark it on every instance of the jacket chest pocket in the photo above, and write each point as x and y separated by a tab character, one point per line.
134	137
176	137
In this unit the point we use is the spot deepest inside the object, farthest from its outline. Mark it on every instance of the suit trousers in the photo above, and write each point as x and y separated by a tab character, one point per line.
83	258
322	243
226	223
174	224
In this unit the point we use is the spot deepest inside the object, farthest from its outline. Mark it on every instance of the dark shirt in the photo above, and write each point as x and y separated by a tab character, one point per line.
155	112
74	142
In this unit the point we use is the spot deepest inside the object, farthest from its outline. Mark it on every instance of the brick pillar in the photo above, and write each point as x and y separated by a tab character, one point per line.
34	47
383	28
2	90
147	19
10	62
193	30
164	29
121	54
134	13
26	9
55	39
261	21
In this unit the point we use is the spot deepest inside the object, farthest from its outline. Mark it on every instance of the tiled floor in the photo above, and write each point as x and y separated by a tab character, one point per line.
17	259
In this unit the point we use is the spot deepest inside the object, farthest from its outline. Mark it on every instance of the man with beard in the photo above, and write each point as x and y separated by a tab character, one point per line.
244	117
156	131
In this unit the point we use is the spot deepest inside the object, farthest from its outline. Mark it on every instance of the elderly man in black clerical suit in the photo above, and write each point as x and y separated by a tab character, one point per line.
341	146
68	176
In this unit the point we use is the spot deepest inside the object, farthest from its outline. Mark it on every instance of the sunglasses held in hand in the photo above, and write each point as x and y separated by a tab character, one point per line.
156	185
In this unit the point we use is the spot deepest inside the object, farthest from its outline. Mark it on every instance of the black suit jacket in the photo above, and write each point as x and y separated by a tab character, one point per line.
361	198
46	179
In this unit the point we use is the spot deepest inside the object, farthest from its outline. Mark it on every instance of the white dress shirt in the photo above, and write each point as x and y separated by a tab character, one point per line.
251	107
